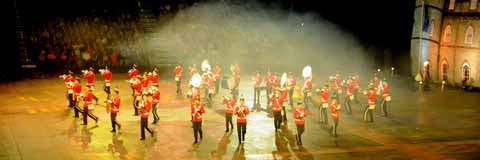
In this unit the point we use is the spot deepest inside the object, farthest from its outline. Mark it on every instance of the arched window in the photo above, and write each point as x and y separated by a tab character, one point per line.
469	35
447	34
466	71
431	28
444	70
473	4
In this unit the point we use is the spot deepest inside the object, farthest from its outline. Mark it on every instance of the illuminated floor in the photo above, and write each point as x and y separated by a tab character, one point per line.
36	124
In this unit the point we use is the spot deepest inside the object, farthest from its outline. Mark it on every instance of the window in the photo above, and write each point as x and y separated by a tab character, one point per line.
447	33
451	6
431	28
469	35
444	70
466	71
473	4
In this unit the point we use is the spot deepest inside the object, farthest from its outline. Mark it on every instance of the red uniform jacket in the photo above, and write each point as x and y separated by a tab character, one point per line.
216	73
192	72
229	102
137	88
156	97
283	94
69	83
334	111
299	115
371	97
258	81
90	76
324	94
349	88
386	90
178	71
144	83
242	111
269	80
197	113
145	108
115	107
77	88
357	81
277	104
307	85
154	79
133	73
107	75
87	99
195	94
291	82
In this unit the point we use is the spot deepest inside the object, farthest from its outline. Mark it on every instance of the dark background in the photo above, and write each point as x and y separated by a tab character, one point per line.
378	24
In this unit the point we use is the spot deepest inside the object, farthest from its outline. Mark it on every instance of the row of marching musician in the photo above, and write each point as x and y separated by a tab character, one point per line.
146	96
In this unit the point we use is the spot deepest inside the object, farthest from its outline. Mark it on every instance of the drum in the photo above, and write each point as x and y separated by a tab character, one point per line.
177	79
372	106
352	97
325	105
388	98
90	106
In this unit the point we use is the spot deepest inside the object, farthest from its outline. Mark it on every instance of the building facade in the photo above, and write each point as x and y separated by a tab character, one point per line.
445	43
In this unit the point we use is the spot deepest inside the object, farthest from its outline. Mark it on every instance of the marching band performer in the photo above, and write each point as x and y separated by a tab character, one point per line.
209	84
385	97
90	77
291	83
229	103
154	77
133	73
337	87
145	107
178	71
137	94
114	103
299	115
197	112
155	103
349	87
257	88
144	81
371	96
88	106
307	94
236	76
107	75
356	81
217	71
277	110
241	111
324	94
270	84
335	114
69	80
77	88
284	99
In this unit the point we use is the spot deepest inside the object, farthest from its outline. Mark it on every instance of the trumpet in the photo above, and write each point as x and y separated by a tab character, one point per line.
63	76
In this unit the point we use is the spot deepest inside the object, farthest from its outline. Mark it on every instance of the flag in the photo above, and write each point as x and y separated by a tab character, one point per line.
426	19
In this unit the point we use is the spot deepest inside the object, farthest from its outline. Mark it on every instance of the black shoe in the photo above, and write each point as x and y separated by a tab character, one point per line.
113	131
152	133
226	130
119	127
195	142
142	139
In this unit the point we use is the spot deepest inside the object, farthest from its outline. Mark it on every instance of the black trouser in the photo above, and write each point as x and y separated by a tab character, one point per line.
269	92
241	130
217	86
228	121
323	115
335	126
355	93
113	118
384	108
107	90
86	113
197	129
256	95
348	107
135	105
277	119
290	96
71	102
306	100
300	130
368	115
75	108
284	116
155	114
179	88
143	126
